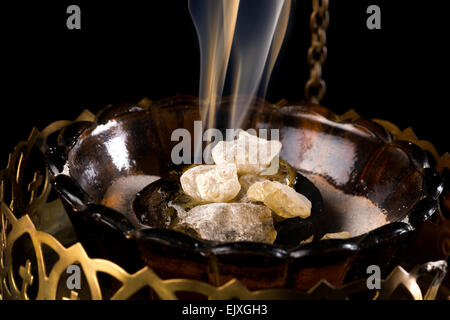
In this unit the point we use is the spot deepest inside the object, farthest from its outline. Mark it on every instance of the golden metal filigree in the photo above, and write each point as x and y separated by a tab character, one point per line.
408	134
28	202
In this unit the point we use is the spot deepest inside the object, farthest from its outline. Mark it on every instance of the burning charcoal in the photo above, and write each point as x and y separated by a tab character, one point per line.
250	153
211	183
337	235
229	222
282	199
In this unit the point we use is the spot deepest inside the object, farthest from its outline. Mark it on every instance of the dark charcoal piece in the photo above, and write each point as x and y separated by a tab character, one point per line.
152	204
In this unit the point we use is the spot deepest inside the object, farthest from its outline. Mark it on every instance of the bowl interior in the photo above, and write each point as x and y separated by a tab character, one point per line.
366	180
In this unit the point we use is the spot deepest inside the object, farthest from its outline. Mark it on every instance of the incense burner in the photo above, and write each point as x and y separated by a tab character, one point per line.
357	157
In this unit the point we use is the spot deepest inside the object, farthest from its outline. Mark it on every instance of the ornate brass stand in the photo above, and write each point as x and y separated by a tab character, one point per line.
27	211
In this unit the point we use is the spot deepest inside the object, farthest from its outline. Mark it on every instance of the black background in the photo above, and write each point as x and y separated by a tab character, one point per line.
130	49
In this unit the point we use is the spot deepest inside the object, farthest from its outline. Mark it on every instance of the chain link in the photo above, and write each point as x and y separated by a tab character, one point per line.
315	87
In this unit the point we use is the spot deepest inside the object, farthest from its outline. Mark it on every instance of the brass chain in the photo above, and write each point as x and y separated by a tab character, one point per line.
315	87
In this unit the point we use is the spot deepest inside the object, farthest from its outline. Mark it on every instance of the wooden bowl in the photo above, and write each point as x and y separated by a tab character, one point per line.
348	160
